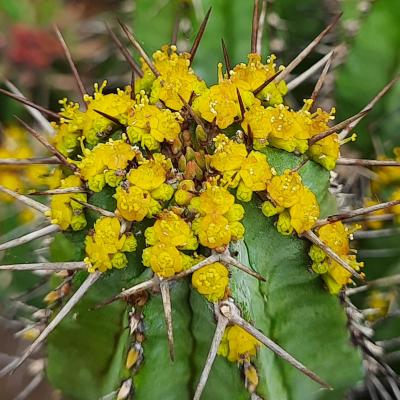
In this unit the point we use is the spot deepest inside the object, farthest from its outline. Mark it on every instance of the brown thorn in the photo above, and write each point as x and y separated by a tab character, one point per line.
46	144
313	238
303	54
124	52
71	63
226	57
369	106
367	163
166	299
261	24
355	213
301	165
338	126
133	89
139	48
39	118
322	77
27	102
175	29
90	280
196	118
254	26
110	117
241	105
29	161
222	322
26	200
199	36
100	210
236	319
267	82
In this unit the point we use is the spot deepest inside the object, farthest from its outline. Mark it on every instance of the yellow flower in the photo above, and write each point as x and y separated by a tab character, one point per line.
69	129
149	125
380	302
15	143
228	155
269	210
66	212
217	222
258	119
335	236
116	105
220	102
165	260
284	225
150	175
305	213
134	204
214	200
113	155
171	229
185	192
213	230
285	190
106	246
211	281
176	78
252	75
395	209
326	151
237	345
375	224
255	173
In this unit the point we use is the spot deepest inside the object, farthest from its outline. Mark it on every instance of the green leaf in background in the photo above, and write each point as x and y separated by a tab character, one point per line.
373	60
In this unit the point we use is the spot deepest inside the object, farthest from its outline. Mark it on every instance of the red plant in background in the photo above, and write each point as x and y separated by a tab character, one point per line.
33	47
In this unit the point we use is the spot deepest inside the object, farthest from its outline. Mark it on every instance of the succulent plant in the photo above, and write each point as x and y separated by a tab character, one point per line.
199	247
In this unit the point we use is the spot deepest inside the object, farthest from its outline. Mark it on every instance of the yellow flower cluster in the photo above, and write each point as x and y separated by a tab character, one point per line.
252	75
150	125
380	302
211	281
117	105
217	219
221	103
145	189
169	235
291	130
387	175
176	78
374	224
66	212
247	172
237	345
105	246
336	236
15	144
296	204
69	129
105	164
395	209
89	124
